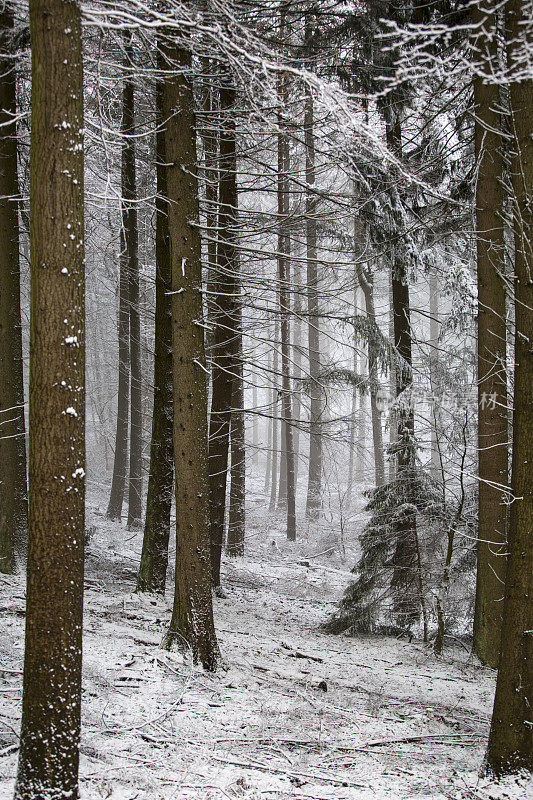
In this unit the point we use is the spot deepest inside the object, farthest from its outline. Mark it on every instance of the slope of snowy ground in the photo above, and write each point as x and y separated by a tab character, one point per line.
294	713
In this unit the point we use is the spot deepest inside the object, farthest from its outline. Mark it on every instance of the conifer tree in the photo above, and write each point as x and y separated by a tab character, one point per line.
50	731
192	616
13	486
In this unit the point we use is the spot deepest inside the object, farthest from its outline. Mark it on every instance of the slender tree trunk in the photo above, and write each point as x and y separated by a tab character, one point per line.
154	557
491	355
192	616
510	745
237	514
366	282
13	487
314	485
132	248
255	427
434	358
225	339
393	423
275	424
270	440
120	461
283	275
50	731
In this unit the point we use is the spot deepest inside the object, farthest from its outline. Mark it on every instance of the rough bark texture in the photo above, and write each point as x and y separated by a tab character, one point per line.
224	337
192	616
49	741
491	352
13	487
132	247
511	741
154	557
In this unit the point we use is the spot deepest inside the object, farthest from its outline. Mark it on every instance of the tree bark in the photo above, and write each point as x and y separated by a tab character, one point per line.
13	485
510	745
408	598
314	484
50	731
366	282
192	616
284	306
225	337
237	511
154	557
132	248
120	461
491	351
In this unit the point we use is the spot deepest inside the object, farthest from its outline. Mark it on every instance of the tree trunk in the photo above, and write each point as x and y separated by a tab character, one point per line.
237	514
132	248
510	745
275	424
366	282
224	338
435	464
120	461
154	557
314	485
192	616
50	731
284	304
408	597
491	354
13	487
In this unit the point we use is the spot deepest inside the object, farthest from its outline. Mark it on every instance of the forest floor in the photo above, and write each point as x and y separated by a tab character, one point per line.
293	713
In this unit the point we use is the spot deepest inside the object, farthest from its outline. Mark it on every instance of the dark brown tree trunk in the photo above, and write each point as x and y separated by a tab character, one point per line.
491	350
224	338
50	731
154	557
13	486
237	513
120	461
510	745
132	247
314	485
408	597
192	623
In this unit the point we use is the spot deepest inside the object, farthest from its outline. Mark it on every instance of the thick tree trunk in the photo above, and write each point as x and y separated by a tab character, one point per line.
314	485
491	354
132	247
510	745
50	732
192	616
225	338
406	579
154	557
13	486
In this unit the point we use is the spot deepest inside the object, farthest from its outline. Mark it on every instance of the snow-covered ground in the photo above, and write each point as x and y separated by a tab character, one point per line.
293	713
